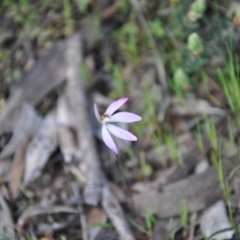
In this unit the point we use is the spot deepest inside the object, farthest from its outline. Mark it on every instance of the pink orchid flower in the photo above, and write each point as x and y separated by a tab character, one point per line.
108	117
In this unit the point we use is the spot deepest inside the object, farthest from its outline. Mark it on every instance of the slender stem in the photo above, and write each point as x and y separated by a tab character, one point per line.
127	184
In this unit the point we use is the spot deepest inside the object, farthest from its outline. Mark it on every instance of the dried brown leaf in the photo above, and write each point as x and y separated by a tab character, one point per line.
95	216
215	219
17	169
40	148
27	124
197	191
193	106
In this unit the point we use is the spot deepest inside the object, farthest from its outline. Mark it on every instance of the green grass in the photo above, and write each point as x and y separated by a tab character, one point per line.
172	148
231	83
172	231
180	83
211	131
224	183
102	225
82	4
119	87
231	132
184	218
149	220
217	160
146	169
129	38
67	12
88	79
149	223
5	233
157	29
199	139
148	127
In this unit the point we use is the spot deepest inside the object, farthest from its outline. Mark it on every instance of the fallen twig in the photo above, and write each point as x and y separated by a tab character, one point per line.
115	213
76	96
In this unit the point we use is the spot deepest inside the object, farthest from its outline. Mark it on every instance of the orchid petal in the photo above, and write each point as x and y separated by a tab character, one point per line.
115	106
121	133
125	117
96	112
108	139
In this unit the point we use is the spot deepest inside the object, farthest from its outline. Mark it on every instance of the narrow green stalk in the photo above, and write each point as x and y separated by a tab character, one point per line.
127	184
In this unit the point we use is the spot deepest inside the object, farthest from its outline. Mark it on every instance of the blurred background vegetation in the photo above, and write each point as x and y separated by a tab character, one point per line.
174	58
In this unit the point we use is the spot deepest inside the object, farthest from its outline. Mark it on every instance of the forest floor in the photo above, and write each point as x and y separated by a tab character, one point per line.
177	62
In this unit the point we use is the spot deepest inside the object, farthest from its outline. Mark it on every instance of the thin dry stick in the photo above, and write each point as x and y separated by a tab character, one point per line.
216	233
79	105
